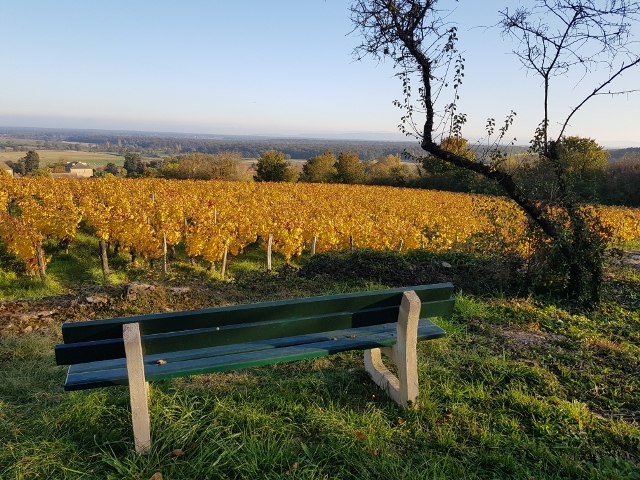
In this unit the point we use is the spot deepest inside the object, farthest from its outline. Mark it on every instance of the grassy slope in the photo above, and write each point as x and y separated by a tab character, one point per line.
521	388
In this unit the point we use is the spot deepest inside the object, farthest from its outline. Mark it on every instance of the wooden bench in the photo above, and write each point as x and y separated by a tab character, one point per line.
134	350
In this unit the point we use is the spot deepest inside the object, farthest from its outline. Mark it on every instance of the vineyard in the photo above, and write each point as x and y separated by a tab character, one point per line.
524	385
149	216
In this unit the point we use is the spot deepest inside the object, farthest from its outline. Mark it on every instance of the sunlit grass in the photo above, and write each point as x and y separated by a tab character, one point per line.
15	287
488	409
522	387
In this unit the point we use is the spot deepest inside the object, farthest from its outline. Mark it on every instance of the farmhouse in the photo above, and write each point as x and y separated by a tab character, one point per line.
6	168
79	169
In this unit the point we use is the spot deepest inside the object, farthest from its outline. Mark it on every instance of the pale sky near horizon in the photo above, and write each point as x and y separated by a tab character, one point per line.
278	67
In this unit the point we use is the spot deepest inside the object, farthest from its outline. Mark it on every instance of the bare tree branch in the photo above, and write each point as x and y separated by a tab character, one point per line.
555	37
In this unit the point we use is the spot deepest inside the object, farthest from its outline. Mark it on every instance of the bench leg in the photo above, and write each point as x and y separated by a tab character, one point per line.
403	389
138	388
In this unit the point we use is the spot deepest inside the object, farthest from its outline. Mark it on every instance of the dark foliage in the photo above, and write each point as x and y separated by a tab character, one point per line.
468	273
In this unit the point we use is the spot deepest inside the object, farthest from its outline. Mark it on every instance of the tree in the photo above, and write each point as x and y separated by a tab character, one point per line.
320	169
272	167
111	168
59	165
224	165
389	170
349	168
442	175
555	38
31	162
584	162
17	167
133	164
621	181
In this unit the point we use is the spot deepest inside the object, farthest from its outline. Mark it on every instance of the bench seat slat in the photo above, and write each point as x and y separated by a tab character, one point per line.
219	359
230	334
220	350
238	314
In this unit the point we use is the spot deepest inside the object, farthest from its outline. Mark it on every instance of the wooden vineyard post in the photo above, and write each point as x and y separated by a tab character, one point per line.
41	265
104	258
351	244
314	240
224	259
164	253
192	261
400	245
269	246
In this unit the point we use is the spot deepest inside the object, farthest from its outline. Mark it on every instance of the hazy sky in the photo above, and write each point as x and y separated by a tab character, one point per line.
277	67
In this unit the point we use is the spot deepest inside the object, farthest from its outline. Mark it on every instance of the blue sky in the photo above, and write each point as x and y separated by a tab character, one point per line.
278	67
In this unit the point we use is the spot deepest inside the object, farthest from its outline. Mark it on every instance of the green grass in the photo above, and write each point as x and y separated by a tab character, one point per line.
95	159
14	287
522	387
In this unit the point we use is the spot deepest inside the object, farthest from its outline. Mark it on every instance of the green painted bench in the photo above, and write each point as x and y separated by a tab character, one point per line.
134	350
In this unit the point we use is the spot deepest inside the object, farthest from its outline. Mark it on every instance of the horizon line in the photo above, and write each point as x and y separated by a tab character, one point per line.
335	137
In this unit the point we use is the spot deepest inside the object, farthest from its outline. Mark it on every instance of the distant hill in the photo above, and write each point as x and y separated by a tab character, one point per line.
618	153
168	143
250	146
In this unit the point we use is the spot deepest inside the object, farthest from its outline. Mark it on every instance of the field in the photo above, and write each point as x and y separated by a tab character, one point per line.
95	159
525	385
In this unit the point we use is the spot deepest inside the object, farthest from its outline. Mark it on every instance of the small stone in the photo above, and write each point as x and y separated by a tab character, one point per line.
446	264
97	299
179	290
132	290
29	329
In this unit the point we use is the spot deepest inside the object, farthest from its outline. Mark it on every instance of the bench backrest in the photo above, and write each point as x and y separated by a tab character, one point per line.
96	340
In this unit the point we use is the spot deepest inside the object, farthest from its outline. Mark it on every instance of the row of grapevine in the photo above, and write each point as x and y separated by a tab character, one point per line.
33	208
209	218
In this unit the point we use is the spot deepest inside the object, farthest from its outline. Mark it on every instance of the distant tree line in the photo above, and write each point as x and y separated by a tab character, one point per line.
197	166
599	176
254	148
176	144
594	177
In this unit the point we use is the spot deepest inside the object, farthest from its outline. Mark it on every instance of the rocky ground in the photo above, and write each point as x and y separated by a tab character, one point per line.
46	314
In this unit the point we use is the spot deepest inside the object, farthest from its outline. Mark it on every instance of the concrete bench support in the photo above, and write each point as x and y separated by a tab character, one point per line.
403	389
